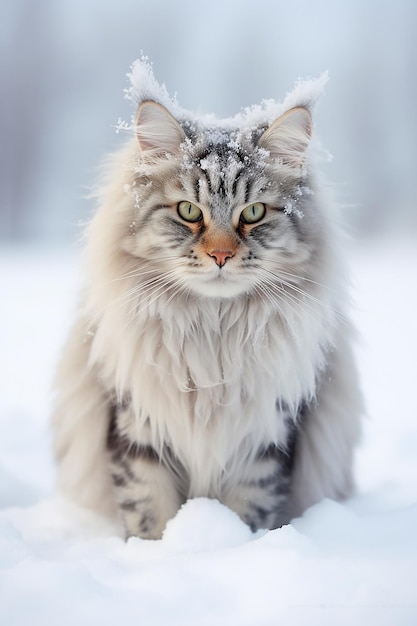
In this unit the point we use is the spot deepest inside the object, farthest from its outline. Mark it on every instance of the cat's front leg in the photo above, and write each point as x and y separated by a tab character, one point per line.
146	491
260	496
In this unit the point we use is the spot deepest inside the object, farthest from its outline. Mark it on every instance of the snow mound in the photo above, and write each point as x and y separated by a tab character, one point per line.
203	525
355	528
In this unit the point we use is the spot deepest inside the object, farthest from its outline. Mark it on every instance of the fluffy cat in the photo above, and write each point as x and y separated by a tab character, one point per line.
211	355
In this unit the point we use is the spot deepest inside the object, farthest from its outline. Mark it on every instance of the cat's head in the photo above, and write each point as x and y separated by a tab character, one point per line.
222	210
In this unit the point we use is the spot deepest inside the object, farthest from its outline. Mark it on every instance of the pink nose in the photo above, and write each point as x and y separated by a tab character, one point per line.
221	256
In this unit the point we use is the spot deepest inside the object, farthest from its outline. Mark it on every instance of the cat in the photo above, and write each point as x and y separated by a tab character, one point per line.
212	354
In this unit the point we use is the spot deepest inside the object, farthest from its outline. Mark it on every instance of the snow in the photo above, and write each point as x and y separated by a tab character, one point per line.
350	563
144	86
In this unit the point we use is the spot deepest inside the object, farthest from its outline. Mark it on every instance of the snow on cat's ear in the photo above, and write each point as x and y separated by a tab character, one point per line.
158	133
288	137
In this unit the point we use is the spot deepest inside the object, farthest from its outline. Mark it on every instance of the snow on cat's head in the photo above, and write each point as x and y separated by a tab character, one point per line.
225	189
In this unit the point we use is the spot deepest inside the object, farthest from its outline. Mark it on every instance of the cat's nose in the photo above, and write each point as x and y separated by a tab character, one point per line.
221	256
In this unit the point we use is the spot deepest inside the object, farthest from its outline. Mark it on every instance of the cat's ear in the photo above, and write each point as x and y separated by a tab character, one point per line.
157	131
288	137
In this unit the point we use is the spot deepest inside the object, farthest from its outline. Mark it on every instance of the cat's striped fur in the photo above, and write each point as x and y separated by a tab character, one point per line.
211	356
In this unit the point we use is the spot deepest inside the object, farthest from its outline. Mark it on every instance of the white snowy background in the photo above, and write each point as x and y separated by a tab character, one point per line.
62	77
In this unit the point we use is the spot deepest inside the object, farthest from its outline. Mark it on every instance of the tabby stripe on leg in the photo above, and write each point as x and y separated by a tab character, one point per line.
121	446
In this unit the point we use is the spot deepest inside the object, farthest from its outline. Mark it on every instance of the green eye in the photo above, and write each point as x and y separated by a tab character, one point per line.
253	213
189	212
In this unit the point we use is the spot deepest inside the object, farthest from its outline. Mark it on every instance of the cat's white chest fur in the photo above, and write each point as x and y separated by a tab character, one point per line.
206	379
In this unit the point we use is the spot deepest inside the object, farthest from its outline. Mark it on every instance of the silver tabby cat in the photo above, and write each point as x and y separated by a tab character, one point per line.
211	355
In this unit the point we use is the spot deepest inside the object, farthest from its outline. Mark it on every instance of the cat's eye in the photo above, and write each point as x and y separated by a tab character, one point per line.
253	213
189	211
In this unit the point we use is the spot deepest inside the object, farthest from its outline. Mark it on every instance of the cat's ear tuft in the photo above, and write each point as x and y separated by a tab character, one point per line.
288	137
157	131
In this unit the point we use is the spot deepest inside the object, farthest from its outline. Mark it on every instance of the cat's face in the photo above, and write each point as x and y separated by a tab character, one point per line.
221	212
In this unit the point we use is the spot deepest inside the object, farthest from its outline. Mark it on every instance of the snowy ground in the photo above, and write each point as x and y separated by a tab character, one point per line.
354	563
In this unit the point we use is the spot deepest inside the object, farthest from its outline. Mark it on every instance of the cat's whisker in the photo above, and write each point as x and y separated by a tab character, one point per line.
337	315
176	286
303	293
143	287
298	277
135	274
145	294
182	287
152	264
139	290
273	298
290	285
300	304
276	277
279	297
